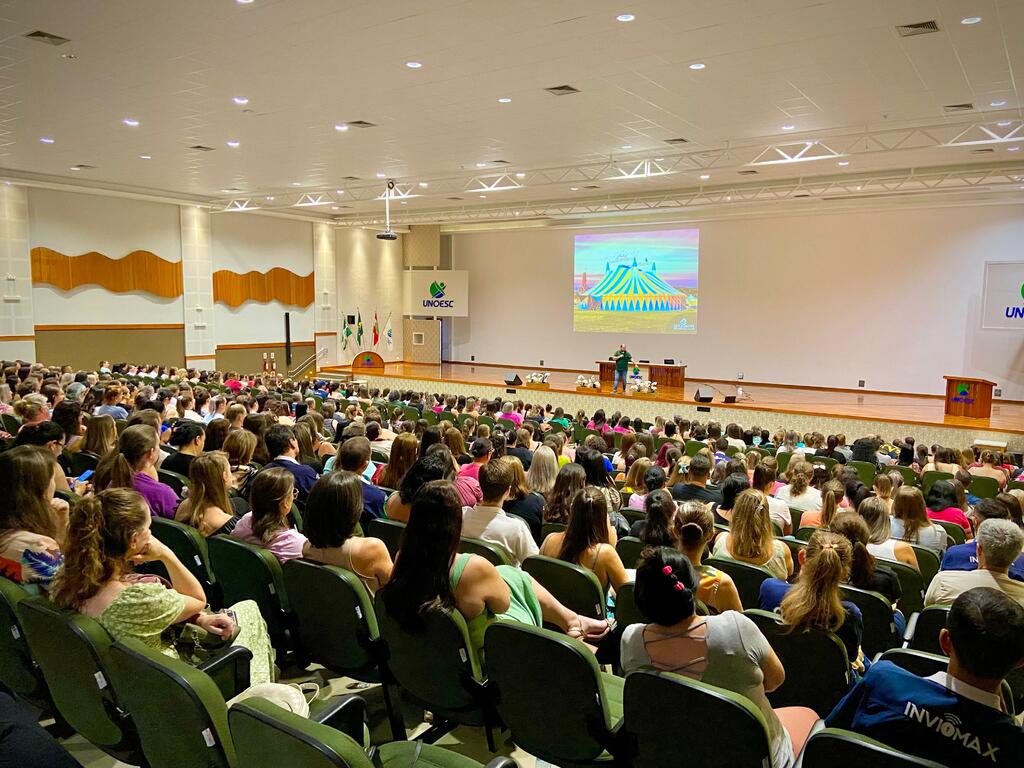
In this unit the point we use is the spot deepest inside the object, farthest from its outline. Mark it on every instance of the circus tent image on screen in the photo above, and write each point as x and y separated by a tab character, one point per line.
636	282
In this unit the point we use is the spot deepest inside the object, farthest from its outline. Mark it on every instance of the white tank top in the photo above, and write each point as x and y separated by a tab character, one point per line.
885	550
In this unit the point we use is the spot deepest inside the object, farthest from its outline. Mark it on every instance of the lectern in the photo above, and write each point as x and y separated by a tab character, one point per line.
968	397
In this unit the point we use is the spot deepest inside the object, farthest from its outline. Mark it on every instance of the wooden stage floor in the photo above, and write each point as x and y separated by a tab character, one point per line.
910	409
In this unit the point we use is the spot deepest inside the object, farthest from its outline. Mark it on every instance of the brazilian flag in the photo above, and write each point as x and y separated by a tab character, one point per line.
359	329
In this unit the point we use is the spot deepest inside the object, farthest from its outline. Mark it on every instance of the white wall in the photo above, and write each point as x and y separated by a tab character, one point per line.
74	224
890	296
246	242
370	280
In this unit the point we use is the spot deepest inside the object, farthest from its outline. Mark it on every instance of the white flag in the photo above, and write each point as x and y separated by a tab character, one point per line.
389	335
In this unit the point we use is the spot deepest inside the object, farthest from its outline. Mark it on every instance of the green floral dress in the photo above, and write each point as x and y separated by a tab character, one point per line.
143	610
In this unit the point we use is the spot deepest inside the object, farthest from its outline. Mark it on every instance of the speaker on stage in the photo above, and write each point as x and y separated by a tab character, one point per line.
670	361
512	379
728	398
703	395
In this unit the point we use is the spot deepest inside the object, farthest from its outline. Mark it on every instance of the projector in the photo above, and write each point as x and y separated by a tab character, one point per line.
387	235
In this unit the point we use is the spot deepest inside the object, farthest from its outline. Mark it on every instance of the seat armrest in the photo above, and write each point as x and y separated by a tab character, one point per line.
819	725
343	713
502	762
229	670
908	633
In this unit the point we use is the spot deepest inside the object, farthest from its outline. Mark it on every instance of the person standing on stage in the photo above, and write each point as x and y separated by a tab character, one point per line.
622	360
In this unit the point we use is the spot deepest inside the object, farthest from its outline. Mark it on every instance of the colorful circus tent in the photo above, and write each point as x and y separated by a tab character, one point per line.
633	289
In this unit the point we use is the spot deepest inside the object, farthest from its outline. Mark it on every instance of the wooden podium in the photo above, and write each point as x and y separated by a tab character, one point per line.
368	361
968	397
665	375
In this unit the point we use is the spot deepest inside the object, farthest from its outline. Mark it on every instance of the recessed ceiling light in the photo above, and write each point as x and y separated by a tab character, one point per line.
414	64
69	56
240	100
341	126
858	188
424	184
705	176
998	103
339	191
504	100
574	189
625	17
296	183
517	213
698	65
1004	123
74	168
381	175
627	146
1013	149
970	20
270	198
520	175
788	127
46	139
481	165
659	159
404	202
844	163
234	143
131	122
244	2
145	157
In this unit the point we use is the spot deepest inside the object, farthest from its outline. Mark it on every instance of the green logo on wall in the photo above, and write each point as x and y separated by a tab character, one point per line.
437	290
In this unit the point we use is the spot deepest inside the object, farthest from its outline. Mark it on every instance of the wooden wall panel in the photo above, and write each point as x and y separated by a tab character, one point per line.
82	347
138	271
248	358
277	284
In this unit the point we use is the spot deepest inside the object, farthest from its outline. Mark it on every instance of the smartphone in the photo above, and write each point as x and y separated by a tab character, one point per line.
85	476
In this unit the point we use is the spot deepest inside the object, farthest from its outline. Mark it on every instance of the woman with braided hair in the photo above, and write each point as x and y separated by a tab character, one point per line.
727	650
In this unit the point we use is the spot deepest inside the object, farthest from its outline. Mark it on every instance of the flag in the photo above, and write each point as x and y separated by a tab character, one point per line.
345	335
389	335
359	328
376	331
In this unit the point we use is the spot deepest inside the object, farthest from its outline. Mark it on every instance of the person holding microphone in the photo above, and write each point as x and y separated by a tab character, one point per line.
622	360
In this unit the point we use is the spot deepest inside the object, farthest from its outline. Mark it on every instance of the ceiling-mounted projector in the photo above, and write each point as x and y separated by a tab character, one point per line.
387	234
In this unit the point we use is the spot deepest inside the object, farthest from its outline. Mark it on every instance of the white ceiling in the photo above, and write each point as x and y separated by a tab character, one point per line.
834	69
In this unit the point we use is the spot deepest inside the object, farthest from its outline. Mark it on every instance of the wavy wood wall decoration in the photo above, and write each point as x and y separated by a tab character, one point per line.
277	284
138	271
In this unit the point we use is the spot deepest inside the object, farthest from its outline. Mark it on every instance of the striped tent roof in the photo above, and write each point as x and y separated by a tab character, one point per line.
632	281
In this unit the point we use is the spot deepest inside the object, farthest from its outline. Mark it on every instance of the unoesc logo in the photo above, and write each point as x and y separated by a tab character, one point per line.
1016	312
437	296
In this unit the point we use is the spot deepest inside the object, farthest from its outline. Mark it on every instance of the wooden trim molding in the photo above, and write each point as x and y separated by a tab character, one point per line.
278	284
269	344
200	357
131	327
326	333
138	271
17	338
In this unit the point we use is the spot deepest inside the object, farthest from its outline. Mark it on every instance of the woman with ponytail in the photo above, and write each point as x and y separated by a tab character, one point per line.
763	480
132	464
656	529
589	539
727	650
799	494
831	496
694	527
33	524
865	571
814	601
108	534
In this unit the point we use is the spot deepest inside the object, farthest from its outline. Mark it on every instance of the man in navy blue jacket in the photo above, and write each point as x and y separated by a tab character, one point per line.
354	457
284	449
954	717
964	557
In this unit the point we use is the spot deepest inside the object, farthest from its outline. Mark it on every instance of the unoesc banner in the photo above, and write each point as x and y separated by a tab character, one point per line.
1003	305
441	293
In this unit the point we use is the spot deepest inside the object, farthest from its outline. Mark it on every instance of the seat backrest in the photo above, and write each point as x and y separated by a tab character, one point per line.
574	726
817	670
80	461
548	528
693	447
879	627
72	649
508	424
388	531
909	476
178	483
266	734
493	553
927	562
190	548
782	460
927	626
434	663
18	672
921	663
10	423
953	530
795	545
804	532
865	471
178	710
929	477
748	578
337	626
833	747
575	587
911	585
983	487
654	704
248	572
626	612
629	549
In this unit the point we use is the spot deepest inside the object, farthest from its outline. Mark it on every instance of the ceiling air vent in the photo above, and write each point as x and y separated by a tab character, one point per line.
591	186
677	141
82	167
747	172
360	124
801	194
350	178
500	162
201	148
921	28
456	198
45	37
562	90
965	107
985	151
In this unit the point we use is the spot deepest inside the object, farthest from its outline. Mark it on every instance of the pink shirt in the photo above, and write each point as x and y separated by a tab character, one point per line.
471	470
286	545
468	489
952	515
514	417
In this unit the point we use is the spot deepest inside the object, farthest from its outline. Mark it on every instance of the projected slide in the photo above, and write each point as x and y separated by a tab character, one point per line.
636	282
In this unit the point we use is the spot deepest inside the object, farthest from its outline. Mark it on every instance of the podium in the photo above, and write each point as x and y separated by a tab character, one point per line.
665	375
971	398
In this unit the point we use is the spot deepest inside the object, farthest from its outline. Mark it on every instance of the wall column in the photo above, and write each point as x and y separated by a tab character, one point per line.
197	300
17	327
325	295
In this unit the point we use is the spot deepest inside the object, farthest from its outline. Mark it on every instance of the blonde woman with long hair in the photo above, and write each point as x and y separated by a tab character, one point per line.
208	507
799	494
751	539
815	601
543	471
108	534
100	438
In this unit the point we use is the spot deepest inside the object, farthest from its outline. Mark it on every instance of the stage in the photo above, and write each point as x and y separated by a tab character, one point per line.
766	405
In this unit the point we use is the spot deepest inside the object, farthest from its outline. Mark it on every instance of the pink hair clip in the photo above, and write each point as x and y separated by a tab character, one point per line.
667	570
678	586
